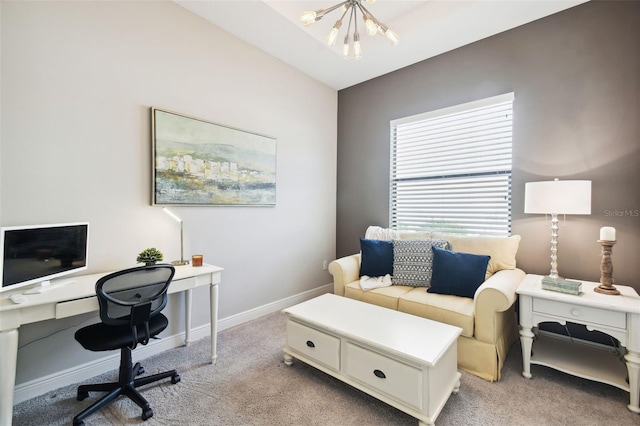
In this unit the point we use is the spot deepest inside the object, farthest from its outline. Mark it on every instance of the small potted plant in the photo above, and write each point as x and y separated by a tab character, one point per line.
150	256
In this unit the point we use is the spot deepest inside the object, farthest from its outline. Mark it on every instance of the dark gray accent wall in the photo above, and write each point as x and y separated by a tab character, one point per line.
576	78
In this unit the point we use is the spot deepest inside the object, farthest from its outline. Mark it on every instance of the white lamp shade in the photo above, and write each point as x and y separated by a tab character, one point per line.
558	197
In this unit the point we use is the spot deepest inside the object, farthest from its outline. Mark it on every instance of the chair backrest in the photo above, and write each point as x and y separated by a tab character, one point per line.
133	296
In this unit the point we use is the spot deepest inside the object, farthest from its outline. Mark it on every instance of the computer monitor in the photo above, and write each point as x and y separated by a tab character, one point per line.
35	254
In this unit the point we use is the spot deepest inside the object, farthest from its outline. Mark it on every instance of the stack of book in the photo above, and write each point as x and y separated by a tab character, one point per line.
561	285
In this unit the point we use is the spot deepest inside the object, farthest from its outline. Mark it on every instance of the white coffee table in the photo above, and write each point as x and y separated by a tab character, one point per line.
401	359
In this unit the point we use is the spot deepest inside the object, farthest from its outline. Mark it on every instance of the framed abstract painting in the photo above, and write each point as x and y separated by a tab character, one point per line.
199	163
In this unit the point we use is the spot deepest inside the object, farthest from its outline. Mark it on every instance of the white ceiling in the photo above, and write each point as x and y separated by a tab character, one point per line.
426	28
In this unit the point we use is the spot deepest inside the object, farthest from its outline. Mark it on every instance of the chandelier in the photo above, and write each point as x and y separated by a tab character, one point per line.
351	40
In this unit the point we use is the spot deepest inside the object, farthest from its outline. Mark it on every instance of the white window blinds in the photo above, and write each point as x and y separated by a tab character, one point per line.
451	169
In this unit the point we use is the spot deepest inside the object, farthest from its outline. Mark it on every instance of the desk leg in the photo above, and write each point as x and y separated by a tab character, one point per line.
526	341
188	299
8	359
633	367
213	289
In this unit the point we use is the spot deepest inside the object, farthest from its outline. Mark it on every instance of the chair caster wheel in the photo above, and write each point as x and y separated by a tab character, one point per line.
147	414
80	423
175	379
81	396
140	370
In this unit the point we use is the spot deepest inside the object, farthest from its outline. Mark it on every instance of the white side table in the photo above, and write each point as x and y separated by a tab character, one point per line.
617	316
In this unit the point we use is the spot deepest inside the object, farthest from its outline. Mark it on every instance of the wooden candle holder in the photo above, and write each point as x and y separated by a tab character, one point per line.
606	270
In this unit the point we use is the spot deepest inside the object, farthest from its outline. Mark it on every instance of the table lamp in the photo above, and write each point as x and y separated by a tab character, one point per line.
180	262
557	197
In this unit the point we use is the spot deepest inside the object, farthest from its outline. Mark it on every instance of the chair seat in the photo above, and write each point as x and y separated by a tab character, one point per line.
102	337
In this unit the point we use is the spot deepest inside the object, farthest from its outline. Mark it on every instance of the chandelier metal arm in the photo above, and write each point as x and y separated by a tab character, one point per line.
320	13
345	12
375	27
366	13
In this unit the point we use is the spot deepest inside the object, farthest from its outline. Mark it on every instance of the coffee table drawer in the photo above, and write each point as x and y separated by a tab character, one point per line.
318	346
580	312
398	380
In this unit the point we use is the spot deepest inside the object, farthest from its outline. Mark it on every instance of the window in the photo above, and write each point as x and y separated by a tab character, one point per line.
451	169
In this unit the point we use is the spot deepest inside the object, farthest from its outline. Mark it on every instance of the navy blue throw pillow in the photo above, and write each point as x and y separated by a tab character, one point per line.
377	258
457	274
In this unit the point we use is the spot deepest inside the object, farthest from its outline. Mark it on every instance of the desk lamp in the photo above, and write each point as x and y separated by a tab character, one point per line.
557	197
180	262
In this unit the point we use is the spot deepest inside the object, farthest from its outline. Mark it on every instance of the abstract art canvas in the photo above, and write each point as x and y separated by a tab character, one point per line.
196	162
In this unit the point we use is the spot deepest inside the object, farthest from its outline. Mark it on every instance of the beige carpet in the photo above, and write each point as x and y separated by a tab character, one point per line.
250	385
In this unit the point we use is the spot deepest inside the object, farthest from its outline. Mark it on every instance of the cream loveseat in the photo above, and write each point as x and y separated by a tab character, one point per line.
488	321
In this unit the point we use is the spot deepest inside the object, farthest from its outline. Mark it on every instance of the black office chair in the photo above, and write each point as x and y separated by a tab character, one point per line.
130	305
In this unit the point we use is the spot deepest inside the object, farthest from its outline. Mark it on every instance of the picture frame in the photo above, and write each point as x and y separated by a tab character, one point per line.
200	163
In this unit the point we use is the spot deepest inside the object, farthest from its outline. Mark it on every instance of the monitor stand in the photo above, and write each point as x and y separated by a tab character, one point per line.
47	285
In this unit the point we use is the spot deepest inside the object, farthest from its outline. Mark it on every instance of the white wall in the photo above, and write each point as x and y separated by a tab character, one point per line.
78	79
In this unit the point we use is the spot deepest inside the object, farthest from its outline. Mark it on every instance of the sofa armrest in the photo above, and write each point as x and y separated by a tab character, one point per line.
344	270
495	296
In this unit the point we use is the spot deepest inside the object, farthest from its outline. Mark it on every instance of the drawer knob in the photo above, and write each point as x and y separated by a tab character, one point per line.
311	344
576	312
379	374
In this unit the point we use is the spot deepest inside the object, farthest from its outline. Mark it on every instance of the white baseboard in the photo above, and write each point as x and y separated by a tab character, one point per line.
278	305
41	385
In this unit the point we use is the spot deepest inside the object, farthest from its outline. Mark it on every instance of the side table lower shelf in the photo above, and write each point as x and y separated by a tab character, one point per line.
595	363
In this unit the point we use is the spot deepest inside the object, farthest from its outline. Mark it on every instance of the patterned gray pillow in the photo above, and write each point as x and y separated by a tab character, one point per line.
413	261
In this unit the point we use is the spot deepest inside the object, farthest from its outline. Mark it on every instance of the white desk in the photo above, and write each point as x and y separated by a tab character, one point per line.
615	315
78	298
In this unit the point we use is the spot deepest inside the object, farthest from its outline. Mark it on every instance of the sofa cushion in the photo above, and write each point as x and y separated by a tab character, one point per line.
386	297
452	310
457	274
501	249
377	258
413	261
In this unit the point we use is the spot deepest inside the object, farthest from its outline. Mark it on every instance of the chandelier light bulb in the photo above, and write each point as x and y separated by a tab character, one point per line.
371	1
372	27
308	17
333	35
392	36
357	49
346	47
